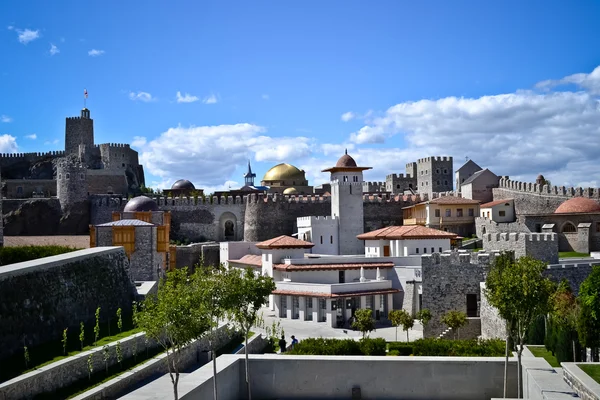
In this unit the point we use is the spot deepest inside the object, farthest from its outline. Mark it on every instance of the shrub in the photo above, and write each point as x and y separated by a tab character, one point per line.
11	255
393	353
444	347
401	348
340	347
372	347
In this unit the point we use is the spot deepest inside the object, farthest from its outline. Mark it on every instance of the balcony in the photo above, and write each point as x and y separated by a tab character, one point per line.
334	288
451	220
415	221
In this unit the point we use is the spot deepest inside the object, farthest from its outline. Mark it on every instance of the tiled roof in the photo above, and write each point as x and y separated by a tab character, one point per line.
578	205
494	203
406	232
336	295
284	242
470	162
315	267
127	222
249	259
452	200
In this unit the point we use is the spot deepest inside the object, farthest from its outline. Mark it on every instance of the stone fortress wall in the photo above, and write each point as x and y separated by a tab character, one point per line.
541	246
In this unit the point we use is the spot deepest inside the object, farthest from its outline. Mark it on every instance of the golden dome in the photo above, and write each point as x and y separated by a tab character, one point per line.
290	190
284	172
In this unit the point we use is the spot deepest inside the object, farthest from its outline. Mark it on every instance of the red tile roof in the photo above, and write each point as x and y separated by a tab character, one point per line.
249	259
406	232
452	200
284	242
494	203
335	295
578	205
314	267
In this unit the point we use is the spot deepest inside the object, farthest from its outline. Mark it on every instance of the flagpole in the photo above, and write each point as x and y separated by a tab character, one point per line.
84	97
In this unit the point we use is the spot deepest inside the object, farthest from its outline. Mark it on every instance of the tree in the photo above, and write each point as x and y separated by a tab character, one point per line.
395	318
81	334
97	326
455	320
520	293
589	317
64	341
174	317
401	317
424	316
119	320
248	293
363	321
565	312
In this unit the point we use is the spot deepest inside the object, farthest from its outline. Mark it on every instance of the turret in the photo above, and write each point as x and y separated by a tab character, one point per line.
71	181
79	134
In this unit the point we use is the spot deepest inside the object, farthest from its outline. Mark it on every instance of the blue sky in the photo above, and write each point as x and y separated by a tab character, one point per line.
510	84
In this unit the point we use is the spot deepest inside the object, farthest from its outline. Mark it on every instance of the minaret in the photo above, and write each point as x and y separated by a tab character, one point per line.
347	203
249	176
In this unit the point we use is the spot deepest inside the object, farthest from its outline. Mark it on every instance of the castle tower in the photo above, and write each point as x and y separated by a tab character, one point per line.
347	203
434	175
249	176
79	131
71	181
1	217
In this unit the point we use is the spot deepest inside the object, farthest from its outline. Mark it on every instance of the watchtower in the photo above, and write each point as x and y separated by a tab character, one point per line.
435	174
79	131
71	181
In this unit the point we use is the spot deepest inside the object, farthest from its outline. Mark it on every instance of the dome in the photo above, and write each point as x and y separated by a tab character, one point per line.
291	190
141	203
183	184
284	172
345	161
578	205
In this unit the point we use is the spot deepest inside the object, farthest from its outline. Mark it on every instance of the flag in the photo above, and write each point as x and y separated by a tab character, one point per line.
85	93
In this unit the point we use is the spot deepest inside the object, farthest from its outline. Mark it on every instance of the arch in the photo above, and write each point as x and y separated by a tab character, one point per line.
483	231
228	227
568	227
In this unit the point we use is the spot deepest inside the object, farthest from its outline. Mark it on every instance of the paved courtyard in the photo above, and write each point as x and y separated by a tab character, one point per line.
306	329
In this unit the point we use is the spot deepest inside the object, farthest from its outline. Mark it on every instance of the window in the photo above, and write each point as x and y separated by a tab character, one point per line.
471	212
426	172
569	228
445	182
59	176
448	212
342	277
424	250
321	239
459	212
502	213
437	213
445	171
19	189
123	164
345	179
422	183
81	176
421	172
417	250
471	305
67	176
438	182
350	188
331	239
426	183
538	227
355	178
437	170
309	302
440	249
597	226
432	250
462	180
398	186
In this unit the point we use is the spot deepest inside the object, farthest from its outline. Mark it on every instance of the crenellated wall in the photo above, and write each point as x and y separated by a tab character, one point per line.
8	159
541	246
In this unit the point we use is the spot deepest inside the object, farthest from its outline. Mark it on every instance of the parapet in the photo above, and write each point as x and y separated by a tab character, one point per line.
456	259
33	155
559	191
388	198
115	145
398	176
520	236
430	159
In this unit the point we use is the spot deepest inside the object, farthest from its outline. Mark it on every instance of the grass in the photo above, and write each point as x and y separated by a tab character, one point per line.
593	370
545	354
17	254
572	254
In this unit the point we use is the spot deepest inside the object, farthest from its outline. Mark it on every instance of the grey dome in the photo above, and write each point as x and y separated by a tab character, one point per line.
183	184
141	203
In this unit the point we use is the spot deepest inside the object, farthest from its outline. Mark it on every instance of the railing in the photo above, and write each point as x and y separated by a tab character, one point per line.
334	288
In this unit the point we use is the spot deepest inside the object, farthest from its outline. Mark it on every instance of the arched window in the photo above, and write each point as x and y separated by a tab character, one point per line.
483	230
568	227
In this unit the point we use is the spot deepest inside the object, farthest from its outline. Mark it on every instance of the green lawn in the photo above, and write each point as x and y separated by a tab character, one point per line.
592	370
545	354
572	254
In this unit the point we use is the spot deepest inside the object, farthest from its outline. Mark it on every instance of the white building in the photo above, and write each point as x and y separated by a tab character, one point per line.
337	234
499	211
403	241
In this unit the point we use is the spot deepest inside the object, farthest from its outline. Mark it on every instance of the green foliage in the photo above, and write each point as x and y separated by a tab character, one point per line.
272	333
444	347
424	316
81	334
340	347
16	254
90	366
536	334
364	321
148	190
97	326
589	318
64	341
119	320
401	317
106	356
394	353
119	353
562	324
134	313
455	320
26	355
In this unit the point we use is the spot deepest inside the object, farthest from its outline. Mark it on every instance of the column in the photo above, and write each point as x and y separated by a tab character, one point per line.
302	308
376	303
289	305
363	301
390	302
276	303
330	314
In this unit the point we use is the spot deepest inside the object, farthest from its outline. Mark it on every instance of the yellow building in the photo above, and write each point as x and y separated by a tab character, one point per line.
285	176
448	213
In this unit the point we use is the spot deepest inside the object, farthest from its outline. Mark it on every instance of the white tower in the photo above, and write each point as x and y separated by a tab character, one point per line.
347	203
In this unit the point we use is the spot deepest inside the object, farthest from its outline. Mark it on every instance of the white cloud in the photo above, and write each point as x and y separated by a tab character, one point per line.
138	141
33	136
212	99
141	96
347	116
6	119
95	53
49	142
27	35
336	149
265	97
53	49
10	27
8	144
589	82
186	98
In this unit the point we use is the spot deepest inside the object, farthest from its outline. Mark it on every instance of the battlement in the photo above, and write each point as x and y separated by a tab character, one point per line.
76	118
33	155
303	222
585	265
457	260
369	183
114	145
520	236
399	176
545	190
431	159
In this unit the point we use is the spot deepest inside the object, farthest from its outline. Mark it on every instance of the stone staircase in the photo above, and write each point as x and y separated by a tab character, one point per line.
447	334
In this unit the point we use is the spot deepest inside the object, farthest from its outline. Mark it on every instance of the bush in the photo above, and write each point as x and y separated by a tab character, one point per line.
340	347
444	347
401	348
11	255
393	353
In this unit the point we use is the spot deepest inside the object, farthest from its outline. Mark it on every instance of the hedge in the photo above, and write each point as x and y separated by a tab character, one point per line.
444	347
17	254
340	347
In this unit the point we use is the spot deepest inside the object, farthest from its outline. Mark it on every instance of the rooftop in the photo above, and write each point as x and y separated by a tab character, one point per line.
127	222
406	232
495	203
332	266
578	205
284	242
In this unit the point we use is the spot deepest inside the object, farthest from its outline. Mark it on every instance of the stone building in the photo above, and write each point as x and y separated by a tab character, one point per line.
434	174
498	211
183	188
401	184
464	172
284	176
143	231
479	186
